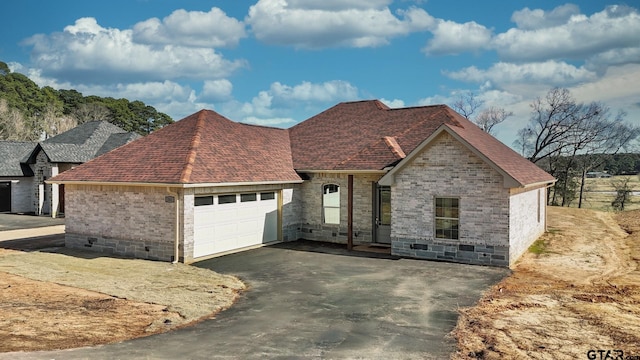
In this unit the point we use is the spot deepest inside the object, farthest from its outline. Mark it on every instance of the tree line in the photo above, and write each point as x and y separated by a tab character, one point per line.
566	138
29	113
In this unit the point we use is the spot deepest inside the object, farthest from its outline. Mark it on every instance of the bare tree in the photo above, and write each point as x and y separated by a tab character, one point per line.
91	112
560	129
490	117
54	122
14	126
466	104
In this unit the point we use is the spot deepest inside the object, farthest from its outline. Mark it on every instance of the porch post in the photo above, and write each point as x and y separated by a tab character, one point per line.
350	213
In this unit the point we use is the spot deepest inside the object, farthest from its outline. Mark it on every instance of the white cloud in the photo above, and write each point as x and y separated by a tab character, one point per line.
394	104
453	38
579	36
109	55
307	24
274	122
551	73
216	90
191	28
528	19
329	91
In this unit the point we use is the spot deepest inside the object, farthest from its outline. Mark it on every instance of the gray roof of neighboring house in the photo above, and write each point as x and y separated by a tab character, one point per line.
11	152
82	143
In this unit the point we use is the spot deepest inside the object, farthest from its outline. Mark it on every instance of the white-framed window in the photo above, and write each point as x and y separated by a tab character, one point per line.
331	204
447	218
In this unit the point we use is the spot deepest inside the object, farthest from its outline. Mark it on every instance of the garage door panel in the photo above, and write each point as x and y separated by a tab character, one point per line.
224	227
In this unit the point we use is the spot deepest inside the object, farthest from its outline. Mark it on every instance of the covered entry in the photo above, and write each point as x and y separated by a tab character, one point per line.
234	221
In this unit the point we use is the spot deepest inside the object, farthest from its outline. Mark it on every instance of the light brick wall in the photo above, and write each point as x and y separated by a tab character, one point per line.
21	194
291	213
41	170
312	226
527	220
447	168
122	220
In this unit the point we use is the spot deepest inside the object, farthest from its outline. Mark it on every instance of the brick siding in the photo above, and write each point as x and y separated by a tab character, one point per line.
312	226
120	220
447	168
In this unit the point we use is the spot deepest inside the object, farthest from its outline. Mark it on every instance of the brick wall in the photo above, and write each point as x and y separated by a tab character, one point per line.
121	220
447	168
42	170
312	226
527	220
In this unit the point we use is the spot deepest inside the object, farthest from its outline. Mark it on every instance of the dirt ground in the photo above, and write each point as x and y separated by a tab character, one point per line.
579	292
66	299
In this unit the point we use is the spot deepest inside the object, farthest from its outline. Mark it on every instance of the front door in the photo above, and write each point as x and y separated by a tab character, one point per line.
383	215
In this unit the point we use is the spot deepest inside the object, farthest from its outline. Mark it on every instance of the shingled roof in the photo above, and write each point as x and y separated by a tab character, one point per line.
11	152
367	135
82	143
356	136
202	148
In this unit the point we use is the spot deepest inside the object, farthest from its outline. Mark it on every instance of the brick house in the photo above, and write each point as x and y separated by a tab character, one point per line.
424	181
26	166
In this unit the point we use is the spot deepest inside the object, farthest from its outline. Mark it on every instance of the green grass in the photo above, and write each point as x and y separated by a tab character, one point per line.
538	247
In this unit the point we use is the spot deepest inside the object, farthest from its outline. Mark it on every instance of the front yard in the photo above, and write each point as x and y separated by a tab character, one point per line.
67	299
576	294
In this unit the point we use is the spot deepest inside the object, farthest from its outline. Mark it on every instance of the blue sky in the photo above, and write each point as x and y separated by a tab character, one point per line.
278	62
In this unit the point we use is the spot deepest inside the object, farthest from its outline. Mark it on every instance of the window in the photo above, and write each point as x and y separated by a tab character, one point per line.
447	218
331	203
203	200
226	199
267	196
248	197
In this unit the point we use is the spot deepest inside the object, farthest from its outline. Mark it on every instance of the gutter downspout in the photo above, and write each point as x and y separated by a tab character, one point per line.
176	248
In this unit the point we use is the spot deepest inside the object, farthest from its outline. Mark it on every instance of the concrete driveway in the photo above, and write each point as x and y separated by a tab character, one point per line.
310	300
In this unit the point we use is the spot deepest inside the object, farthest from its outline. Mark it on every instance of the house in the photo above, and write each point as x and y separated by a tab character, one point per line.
424	181
15	177
25	166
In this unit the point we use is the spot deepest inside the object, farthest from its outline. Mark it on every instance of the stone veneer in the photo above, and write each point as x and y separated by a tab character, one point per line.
121	220
311	225
446	168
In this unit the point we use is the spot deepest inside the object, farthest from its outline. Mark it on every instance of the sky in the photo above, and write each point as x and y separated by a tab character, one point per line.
279	62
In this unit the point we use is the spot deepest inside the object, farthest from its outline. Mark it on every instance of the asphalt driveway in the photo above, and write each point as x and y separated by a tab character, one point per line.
19	221
310	300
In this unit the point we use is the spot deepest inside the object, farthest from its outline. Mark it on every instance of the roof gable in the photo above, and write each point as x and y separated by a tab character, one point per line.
82	143
202	148
347	135
11	152
516	170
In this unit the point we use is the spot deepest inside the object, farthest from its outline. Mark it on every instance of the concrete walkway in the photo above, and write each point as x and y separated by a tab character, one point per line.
318	301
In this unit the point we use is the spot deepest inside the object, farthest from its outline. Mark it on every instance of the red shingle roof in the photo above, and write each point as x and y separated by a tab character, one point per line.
366	135
202	148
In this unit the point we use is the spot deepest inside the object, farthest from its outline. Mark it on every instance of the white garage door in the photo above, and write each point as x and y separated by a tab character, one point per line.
234	221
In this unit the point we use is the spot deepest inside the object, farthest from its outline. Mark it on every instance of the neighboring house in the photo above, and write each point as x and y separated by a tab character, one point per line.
425	181
15	177
598	175
29	165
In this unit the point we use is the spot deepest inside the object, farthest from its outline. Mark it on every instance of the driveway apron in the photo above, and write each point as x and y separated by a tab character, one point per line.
310	300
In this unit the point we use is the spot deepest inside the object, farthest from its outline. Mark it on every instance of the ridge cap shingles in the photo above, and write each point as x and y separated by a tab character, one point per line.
395	148
193	149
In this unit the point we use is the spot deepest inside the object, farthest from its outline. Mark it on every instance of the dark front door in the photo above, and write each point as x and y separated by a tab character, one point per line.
61	198
383	215
5	196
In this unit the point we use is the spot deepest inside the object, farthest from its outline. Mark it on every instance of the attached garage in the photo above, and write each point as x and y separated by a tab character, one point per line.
234	221
5	196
